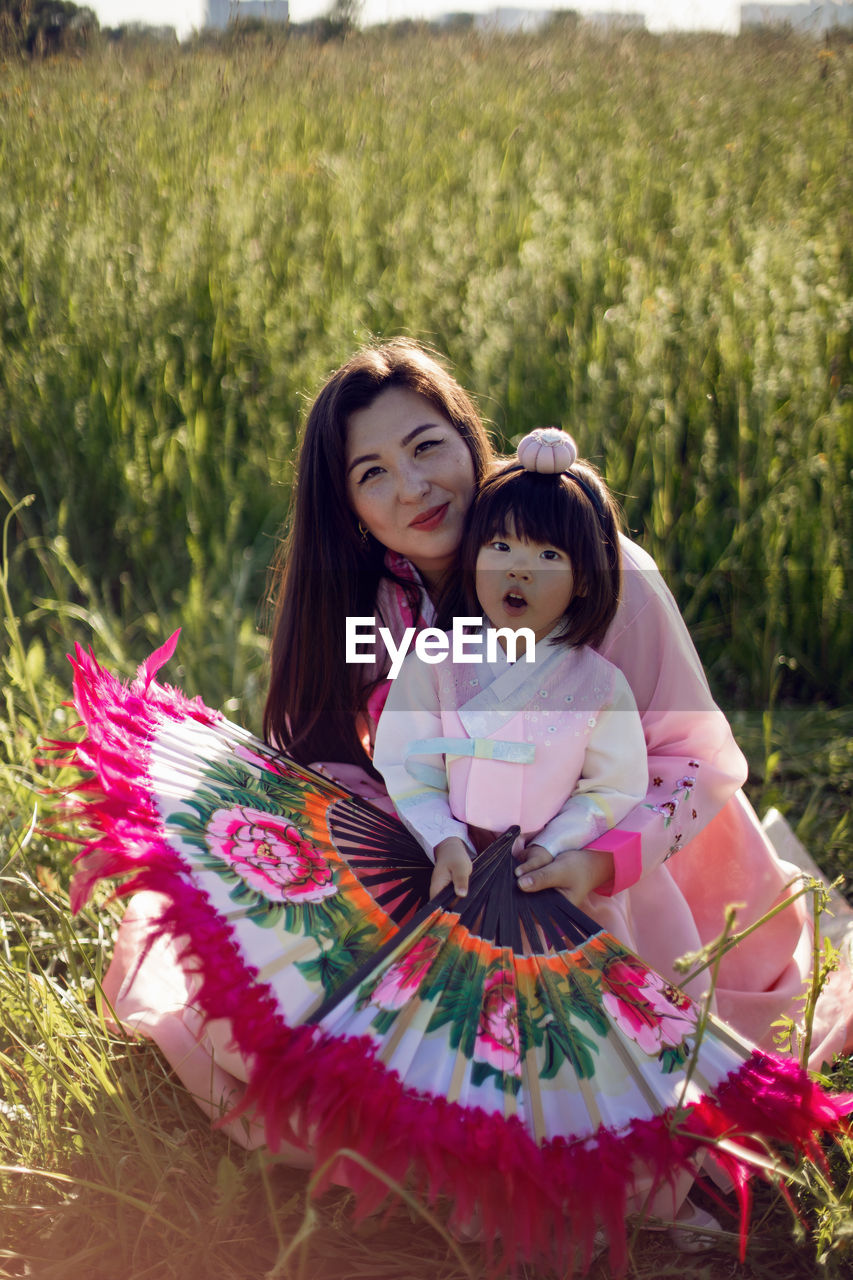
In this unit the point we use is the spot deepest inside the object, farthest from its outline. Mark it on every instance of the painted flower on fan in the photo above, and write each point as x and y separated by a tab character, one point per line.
647	1008
264	764
497	1034
270	855
401	980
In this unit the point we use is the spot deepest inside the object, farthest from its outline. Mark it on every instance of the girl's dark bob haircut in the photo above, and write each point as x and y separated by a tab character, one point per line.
580	519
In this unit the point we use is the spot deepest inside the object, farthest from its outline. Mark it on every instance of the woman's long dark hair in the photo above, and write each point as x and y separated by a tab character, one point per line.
325	571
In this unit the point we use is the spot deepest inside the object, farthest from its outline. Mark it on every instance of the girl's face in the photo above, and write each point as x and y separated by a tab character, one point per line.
523	584
410	479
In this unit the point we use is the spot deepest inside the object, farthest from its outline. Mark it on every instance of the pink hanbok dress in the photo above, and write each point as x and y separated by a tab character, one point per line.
554	746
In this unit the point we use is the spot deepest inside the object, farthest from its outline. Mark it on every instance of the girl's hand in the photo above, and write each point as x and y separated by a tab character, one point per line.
577	871
452	865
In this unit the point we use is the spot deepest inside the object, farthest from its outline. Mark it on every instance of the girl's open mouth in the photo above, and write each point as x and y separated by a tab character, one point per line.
514	602
430	519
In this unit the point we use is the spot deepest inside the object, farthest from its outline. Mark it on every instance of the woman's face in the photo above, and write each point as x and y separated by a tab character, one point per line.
410	478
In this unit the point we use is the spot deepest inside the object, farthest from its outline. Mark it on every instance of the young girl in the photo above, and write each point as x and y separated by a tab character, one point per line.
555	744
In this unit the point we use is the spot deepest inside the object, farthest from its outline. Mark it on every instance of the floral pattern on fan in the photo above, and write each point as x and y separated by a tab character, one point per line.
650	1011
270	855
495	1007
399	983
255	828
497	1043
267	763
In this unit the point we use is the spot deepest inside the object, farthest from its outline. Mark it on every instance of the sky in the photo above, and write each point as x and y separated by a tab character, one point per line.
661	15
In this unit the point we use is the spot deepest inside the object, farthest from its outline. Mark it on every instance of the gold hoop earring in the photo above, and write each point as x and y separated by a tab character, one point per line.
363	531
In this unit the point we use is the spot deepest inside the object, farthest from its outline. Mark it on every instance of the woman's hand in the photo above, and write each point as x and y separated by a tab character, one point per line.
452	865
577	871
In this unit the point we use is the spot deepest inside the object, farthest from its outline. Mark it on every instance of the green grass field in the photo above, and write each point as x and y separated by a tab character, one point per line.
645	240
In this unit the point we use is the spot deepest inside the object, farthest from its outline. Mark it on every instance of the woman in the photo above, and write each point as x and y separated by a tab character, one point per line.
392	452
388	428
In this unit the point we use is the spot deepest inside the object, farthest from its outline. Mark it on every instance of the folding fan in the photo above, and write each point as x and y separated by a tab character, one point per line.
501	1050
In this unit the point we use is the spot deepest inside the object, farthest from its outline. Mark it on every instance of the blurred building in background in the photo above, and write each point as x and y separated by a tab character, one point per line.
816	18
615	21
507	19
218	13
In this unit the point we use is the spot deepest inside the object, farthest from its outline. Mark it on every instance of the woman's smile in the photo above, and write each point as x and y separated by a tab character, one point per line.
430	519
410	478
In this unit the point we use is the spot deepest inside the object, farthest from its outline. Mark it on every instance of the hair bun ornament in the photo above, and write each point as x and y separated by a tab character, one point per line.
547	450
